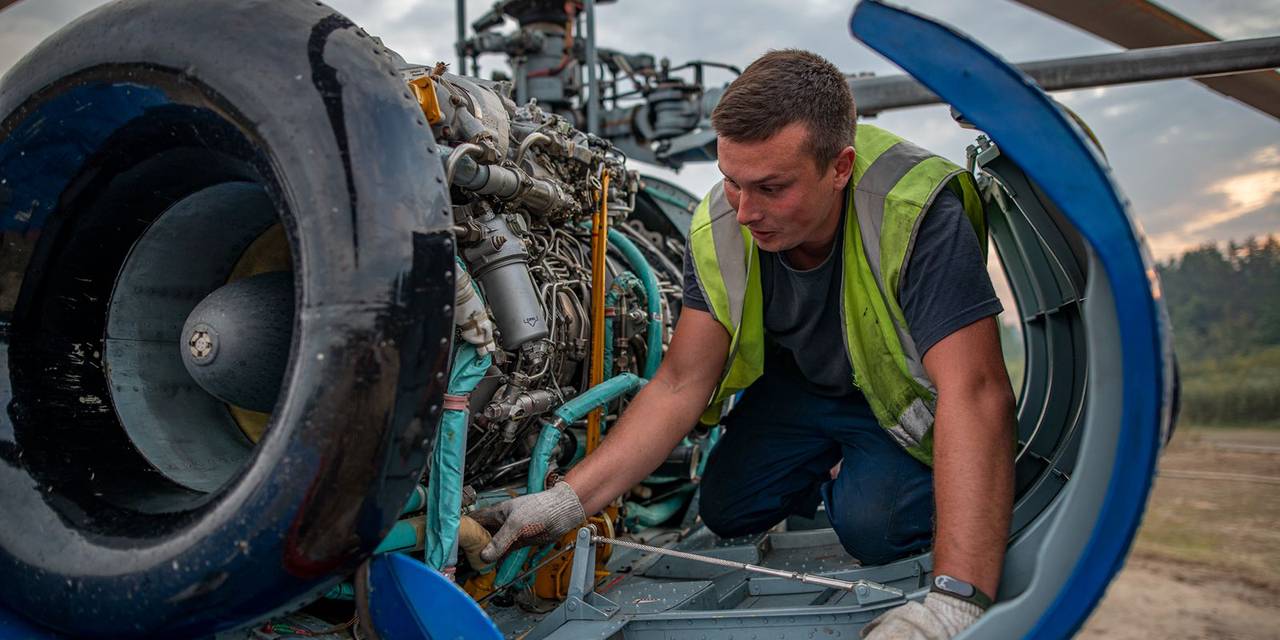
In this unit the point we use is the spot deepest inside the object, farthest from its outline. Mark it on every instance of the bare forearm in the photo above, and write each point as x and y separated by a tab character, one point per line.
661	414
973	483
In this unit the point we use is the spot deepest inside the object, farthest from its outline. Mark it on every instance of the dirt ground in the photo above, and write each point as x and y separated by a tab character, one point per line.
1206	563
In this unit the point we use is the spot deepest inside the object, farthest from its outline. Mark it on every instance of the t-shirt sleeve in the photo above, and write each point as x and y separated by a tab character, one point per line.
693	298
945	285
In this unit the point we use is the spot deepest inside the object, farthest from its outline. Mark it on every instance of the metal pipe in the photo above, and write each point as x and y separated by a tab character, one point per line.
593	83
537	137
461	14
464	150
1137	65
621	283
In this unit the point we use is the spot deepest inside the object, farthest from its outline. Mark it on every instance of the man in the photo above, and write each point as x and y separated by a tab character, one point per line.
837	275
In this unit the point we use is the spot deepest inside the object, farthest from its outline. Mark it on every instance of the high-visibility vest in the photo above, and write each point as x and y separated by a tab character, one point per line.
894	182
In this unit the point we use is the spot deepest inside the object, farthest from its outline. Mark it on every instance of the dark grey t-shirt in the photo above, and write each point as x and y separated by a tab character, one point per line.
945	287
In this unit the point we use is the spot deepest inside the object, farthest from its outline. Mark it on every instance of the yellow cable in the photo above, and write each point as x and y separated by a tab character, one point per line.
599	240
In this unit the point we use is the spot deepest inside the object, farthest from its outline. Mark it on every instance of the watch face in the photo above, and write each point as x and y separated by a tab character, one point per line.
951	585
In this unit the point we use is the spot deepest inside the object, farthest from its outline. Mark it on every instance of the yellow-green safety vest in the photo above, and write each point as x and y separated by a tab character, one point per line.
894	182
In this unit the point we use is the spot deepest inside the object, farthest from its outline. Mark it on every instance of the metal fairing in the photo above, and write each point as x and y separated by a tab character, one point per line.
1032	130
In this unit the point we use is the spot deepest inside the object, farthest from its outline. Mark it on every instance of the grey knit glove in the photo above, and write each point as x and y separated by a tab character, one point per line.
940	617
532	519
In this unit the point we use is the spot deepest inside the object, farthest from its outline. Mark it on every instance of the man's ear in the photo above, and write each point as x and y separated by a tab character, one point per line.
843	168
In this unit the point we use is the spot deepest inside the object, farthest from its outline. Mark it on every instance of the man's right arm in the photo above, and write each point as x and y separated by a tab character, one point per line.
659	416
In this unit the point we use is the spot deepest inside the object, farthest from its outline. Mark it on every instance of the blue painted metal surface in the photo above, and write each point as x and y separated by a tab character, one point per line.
410	601
1035	133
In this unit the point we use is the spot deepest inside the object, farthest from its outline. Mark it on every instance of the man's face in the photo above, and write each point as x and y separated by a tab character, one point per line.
779	192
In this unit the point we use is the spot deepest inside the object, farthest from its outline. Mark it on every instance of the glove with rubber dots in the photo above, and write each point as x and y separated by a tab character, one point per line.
533	519
939	617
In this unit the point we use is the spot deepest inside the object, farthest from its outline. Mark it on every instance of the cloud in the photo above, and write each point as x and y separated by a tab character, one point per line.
1195	166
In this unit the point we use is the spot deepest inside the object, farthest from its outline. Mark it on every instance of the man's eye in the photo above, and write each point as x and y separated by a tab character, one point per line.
769	189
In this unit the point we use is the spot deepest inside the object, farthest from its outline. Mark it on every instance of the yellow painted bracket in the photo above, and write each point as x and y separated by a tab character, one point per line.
425	91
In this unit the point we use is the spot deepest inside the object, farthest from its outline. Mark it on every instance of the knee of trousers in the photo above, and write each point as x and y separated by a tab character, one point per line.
729	520
874	538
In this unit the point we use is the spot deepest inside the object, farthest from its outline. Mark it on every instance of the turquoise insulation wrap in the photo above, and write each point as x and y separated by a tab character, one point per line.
402	537
643	516
596	396
538	464
567	414
624	281
444	487
653	298
343	591
417	500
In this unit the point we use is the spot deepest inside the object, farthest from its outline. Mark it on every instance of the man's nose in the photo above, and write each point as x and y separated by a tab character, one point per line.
747	212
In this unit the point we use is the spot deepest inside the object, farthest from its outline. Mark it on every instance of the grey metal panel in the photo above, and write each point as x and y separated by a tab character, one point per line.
186	433
803	539
745	549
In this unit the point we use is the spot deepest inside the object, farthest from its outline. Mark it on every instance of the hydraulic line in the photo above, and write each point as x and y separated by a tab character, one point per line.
599	235
566	415
653	302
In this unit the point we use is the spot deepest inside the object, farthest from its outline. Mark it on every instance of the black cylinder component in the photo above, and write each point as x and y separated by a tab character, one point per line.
103	128
682	462
236	341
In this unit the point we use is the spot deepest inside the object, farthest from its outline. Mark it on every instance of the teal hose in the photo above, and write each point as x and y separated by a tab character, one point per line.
444	484
621	283
567	414
644	516
402	537
653	299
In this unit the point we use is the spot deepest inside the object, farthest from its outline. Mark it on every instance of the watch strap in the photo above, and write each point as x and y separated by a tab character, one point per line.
957	588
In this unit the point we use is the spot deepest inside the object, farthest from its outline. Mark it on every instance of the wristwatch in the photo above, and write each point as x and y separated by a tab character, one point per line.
958	588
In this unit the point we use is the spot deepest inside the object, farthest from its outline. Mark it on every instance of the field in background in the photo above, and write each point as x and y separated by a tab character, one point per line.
1206	562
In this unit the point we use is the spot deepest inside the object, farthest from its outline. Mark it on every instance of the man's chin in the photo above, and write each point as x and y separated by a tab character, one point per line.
772	243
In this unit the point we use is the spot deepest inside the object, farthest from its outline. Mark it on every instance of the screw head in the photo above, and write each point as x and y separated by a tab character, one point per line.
202	344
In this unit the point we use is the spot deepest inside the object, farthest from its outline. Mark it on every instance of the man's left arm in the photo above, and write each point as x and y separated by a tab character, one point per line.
973	437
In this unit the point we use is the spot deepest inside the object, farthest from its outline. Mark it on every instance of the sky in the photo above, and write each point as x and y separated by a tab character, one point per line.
1197	167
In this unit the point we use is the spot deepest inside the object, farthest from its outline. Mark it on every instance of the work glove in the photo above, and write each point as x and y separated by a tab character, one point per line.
940	617
470	315
533	519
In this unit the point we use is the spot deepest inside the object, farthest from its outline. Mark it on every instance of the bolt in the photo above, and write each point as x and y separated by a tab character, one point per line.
201	345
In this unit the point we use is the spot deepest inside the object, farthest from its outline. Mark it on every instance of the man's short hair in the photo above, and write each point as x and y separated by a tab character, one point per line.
785	86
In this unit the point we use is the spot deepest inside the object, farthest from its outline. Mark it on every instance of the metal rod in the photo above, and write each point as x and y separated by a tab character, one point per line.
593	84
461	14
807	578
1137	65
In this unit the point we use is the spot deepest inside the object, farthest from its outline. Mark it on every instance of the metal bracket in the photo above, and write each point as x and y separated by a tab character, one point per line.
583	603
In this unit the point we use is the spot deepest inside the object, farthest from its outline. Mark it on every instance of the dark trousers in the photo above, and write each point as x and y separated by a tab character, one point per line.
774	459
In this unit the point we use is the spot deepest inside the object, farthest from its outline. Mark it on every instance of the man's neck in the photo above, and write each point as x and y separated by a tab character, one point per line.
812	252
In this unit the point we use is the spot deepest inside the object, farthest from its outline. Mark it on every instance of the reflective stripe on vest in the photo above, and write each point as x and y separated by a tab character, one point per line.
893	183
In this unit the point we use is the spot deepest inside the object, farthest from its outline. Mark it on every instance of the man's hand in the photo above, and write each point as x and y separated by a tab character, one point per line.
533	519
941	617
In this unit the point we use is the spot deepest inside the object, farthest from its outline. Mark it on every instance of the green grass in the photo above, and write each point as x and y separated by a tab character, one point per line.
1238	390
